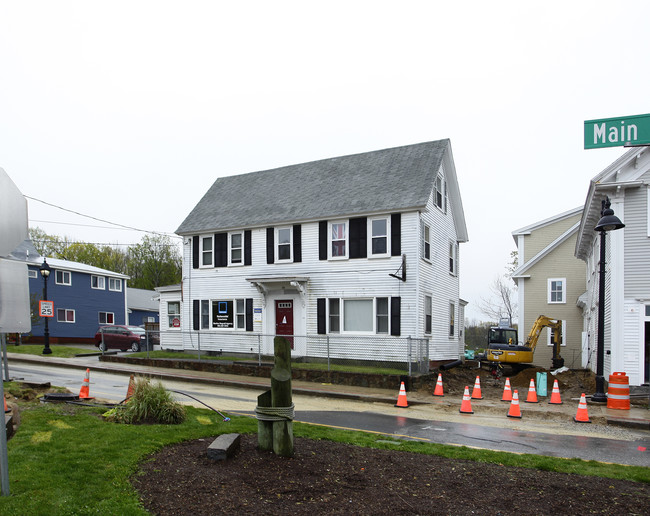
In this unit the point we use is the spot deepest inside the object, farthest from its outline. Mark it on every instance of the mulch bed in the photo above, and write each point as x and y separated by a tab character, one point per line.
331	478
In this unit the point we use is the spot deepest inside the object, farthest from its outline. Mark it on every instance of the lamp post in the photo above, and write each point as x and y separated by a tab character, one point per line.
607	222
45	270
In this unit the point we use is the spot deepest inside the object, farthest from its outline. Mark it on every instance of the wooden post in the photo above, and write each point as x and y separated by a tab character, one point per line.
264	428
275	407
281	397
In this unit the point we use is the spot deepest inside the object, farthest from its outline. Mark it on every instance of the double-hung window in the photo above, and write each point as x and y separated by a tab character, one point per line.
426	242
382	314
453	257
174	314
205	314
65	315
236	243
207	251
379	229
63	277
115	284
106	318
284	245
98	282
428	315
335	316
338	239
440	192
557	290
452	319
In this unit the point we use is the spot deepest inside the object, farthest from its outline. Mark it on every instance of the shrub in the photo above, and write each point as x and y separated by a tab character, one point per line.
150	403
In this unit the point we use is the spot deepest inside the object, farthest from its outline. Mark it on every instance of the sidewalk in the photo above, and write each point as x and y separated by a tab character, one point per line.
638	418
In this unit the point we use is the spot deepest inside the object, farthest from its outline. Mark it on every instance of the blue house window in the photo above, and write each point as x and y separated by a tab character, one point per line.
65	315
106	318
115	284
98	282
63	278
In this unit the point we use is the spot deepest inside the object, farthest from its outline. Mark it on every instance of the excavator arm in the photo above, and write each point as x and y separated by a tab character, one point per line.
556	325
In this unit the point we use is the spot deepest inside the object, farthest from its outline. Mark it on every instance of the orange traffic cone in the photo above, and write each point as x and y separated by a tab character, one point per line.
507	391
532	393
438	390
514	410
466	405
555	394
131	388
7	409
476	392
84	393
582	416
401	398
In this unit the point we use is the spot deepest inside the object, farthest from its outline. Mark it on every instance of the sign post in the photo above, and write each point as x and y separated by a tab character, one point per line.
622	131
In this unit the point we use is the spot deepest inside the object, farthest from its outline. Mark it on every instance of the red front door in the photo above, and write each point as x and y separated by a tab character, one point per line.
284	319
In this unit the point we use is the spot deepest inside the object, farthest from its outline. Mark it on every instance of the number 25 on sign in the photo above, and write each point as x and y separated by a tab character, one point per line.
46	308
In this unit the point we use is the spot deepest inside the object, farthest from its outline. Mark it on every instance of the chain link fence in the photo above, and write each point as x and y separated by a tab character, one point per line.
399	354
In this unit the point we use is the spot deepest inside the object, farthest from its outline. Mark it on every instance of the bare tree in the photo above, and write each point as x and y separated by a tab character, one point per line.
502	302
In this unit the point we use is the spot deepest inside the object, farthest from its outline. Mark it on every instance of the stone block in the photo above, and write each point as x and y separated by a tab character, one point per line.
224	446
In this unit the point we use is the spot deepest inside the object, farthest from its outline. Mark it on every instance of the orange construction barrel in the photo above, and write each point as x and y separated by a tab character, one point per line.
618	392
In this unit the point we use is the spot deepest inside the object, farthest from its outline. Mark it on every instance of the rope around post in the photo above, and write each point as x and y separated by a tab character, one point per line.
275	413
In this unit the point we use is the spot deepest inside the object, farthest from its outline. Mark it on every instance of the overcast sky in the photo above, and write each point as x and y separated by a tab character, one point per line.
129	110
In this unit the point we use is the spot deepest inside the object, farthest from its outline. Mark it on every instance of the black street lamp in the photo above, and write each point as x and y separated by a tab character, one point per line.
608	222
45	270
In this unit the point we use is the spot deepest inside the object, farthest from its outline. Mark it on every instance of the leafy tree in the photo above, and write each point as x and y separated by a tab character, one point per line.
47	245
154	262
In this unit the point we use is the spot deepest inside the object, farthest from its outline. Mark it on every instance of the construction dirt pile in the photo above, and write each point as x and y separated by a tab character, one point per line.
572	383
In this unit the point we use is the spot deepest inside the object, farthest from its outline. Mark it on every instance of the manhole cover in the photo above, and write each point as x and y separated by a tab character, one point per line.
60	397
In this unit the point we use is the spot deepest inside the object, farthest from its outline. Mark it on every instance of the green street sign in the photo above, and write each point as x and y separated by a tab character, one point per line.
617	132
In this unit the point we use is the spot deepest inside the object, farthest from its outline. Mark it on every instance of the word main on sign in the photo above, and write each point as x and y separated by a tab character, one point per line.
617	132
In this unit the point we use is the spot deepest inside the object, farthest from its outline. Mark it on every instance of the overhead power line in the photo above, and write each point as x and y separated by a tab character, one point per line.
100	220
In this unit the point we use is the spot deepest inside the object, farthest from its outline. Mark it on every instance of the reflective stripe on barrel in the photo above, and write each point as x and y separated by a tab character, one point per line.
618	392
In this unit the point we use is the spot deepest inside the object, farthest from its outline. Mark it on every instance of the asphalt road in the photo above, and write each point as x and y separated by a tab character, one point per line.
631	448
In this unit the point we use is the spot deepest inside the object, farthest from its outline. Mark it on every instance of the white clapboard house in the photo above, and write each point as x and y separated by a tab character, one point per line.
626	183
354	256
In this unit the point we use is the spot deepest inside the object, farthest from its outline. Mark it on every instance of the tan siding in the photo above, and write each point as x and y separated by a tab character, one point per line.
559	263
542	237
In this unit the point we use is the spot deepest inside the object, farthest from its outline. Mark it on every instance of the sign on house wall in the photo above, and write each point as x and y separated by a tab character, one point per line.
617	132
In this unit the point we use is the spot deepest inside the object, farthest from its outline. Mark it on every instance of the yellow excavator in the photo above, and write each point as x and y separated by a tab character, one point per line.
503	347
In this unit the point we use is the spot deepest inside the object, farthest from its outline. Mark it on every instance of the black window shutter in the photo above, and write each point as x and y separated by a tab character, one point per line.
320	316
396	234
221	250
322	240
248	255
297	243
395	303
249	314
195	252
196	313
270	245
358	235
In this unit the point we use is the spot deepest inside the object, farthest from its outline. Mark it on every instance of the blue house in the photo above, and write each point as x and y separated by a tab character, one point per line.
84	297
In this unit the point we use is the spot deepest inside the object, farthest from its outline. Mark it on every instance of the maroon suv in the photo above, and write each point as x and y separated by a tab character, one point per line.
121	337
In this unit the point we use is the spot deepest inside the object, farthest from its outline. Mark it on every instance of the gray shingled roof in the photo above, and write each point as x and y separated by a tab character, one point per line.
385	180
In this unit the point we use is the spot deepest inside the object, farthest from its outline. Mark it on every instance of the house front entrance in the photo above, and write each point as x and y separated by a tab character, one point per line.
284	318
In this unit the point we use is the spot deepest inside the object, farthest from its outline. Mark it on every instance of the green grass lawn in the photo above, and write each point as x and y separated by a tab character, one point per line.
66	459
37	349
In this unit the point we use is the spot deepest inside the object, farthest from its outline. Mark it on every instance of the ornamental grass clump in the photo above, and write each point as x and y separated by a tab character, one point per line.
149	404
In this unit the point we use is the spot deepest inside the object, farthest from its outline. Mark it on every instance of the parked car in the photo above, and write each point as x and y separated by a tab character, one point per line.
121	337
